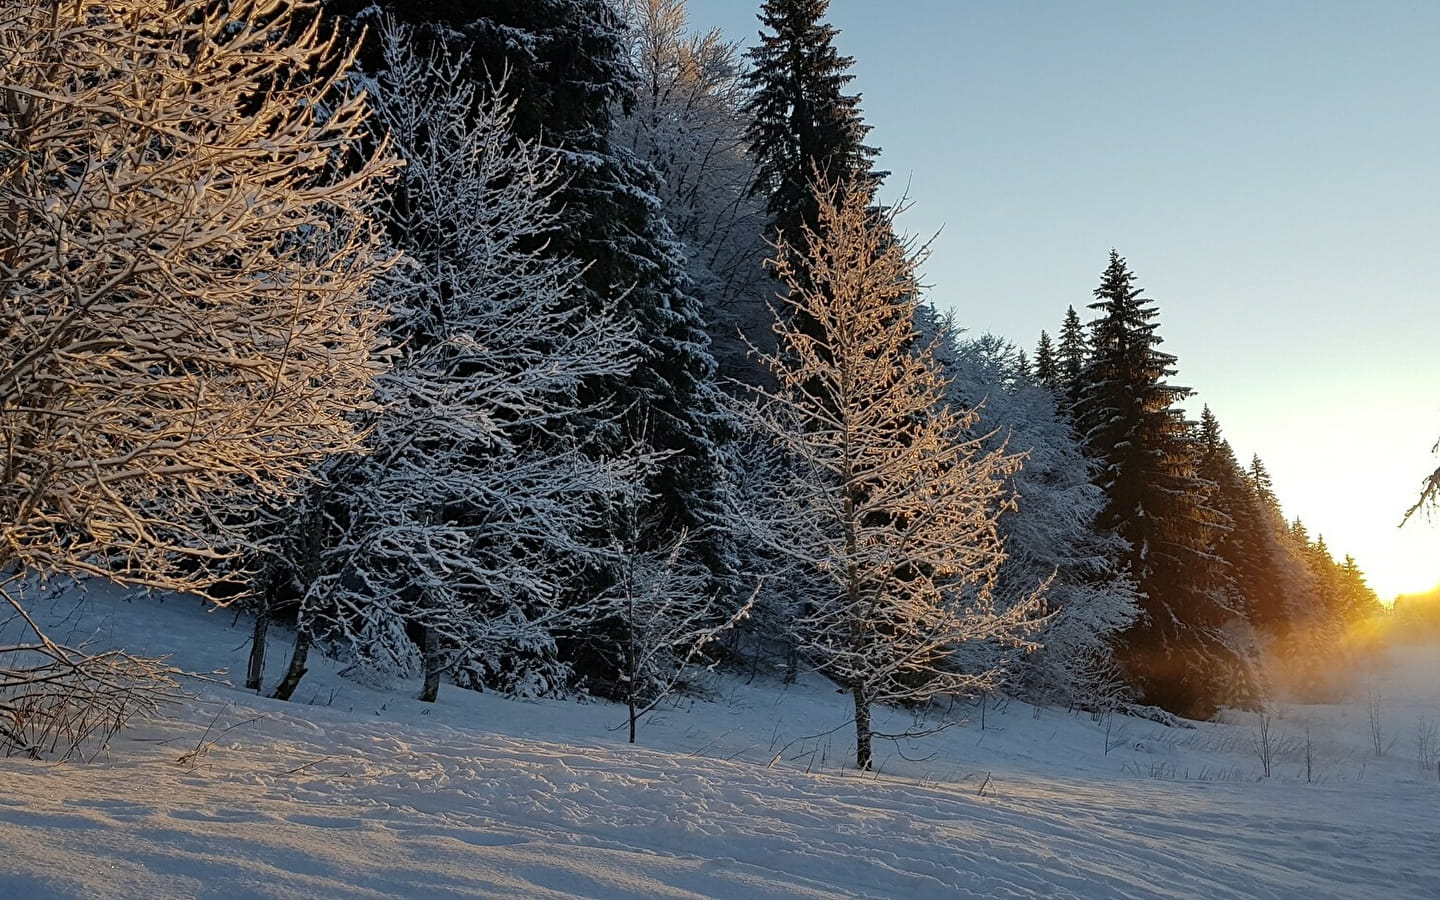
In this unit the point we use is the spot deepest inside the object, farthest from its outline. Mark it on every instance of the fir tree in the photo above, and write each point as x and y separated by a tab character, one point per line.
1047	370
1179	655
805	128
566	63
1070	360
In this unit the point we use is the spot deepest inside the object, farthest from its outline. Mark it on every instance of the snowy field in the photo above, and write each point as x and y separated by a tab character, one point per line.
357	792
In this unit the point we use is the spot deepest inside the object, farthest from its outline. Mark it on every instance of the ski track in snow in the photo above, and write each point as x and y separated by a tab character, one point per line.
376	795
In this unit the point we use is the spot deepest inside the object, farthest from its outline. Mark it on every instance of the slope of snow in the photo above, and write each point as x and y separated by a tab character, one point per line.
358	792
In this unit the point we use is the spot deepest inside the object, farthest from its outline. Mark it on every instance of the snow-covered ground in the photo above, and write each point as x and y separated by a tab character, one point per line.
357	792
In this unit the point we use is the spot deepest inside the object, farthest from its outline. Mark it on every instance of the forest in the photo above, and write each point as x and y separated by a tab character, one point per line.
561	348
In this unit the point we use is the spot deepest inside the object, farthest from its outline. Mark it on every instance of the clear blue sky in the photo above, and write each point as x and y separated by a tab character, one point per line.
1270	169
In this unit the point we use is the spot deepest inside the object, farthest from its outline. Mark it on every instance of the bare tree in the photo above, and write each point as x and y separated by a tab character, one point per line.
185	258
889	498
657	625
1429	491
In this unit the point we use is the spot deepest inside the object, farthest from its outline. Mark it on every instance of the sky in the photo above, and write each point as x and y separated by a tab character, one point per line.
1269	168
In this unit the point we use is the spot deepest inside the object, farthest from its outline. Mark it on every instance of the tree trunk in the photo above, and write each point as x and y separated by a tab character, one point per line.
862	728
632	682
296	669
255	675
430	652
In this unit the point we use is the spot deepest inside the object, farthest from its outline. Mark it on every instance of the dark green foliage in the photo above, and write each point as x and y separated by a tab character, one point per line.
1182	654
564	63
1047	370
1070	359
805	127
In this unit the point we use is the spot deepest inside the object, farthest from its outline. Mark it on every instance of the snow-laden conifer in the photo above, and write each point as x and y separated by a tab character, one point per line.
1182	653
1051	532
688	122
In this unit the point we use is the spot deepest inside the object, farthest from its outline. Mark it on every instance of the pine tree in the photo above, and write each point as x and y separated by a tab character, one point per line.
1179	654
805	129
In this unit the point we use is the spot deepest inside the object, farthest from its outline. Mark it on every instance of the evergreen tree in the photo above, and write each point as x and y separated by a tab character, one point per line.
1358	601
1073	352
1047	369
566	63
1274	578
1247	572
1264	486
1180	654
1050	533
805	129
689	123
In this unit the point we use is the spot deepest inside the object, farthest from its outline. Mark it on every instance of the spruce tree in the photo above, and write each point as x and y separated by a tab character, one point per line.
1047	371
1242	544
1282	599
1358	601
805	128
1070	359
1179	655
566	64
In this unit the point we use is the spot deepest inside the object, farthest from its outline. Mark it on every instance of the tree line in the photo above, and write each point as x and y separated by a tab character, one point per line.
546	346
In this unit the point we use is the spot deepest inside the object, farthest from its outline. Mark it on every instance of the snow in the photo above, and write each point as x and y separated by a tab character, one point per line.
358	792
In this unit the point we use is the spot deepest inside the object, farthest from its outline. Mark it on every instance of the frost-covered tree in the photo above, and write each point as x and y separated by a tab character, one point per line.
688	122
460	529
184	273
655	627
888	498
1050	533
566	68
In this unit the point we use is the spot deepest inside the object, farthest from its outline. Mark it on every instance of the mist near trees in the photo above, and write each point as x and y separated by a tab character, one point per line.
556	347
